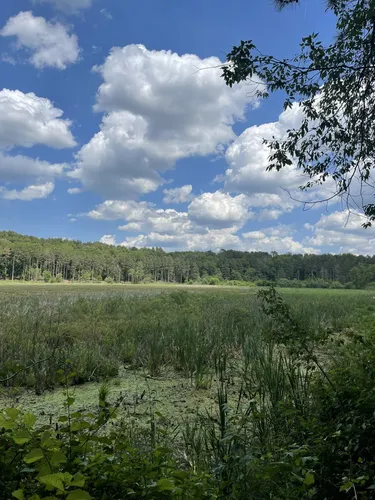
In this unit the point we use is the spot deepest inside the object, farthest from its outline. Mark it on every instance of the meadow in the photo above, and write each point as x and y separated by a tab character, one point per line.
247	393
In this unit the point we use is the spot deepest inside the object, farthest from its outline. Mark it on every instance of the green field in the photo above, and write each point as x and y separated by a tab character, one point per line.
203	369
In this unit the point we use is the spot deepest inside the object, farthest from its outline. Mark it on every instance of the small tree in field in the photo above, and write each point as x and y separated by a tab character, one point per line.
47	275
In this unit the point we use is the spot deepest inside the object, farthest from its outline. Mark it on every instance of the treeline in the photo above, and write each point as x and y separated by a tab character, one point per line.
32	259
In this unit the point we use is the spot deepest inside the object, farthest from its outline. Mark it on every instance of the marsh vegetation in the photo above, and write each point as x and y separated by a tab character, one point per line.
249	395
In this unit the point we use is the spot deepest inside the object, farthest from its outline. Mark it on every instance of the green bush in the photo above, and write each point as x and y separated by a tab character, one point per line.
80	457
47	275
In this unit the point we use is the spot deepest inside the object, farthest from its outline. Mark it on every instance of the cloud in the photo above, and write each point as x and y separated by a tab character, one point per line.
267	240
214	239
208	211
106	14
219	209
74	191
28	193
161	107
278	239
108	239
248	156
202	227
143	217
26	120
68	6
22	168
50	44
341	232
117	209
177	195
279	192
5	58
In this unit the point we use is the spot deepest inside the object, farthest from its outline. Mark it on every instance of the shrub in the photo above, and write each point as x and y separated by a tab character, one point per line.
238	283
80	457
109	280
210	280
47	275
264	283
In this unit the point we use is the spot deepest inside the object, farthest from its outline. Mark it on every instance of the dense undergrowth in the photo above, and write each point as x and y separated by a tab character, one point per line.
299	426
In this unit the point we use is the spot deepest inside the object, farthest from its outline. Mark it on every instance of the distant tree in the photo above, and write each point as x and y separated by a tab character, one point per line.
334	88
362	275
47	275
34	259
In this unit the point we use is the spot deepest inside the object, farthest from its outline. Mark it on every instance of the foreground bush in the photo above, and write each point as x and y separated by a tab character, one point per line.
80	457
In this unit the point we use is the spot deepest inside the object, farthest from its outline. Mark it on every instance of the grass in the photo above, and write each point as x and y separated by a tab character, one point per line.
230	385
94	331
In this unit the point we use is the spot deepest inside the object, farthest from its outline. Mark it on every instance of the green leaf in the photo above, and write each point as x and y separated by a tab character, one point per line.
67	478
79	495
6	423
29	419
58	458
18	494
76	426
21	437
12	413
69	401
63	419
309	479
165	485
78	480
53	480
34	455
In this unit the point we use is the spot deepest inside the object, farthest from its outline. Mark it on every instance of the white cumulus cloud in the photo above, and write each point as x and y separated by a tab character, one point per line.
178	195
74	190
108	239
220	209
278	239
342	232
50	44
213	239
23	168
26	119
160	107
29	193
277	192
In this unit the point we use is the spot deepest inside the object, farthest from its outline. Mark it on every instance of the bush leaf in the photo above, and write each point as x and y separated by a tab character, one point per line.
79	495
18	494
12	413
309	479
34	455
21	437
29	419
165	485
53	480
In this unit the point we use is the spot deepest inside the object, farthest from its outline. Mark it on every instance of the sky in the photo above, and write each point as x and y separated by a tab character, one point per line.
116	126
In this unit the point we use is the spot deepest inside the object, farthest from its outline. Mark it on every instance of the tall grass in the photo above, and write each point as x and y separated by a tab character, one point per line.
93	335
292	378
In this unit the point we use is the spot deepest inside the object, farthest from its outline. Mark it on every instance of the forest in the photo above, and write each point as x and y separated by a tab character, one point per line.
52	260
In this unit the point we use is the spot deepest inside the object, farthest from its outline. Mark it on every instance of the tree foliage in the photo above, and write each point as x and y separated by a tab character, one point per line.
334	88
54	260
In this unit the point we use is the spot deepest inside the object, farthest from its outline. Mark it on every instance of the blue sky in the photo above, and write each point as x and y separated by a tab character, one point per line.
121	102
